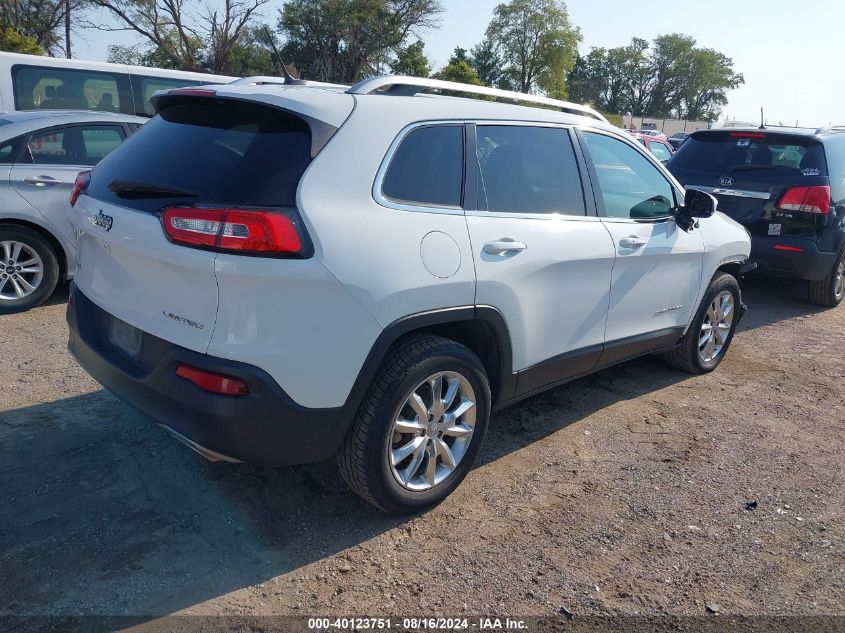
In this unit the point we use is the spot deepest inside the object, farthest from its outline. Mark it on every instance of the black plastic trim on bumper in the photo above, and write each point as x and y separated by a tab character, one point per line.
810	263
266	427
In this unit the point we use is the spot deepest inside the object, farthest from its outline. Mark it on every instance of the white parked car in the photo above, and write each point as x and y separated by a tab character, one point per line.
41	154
278	274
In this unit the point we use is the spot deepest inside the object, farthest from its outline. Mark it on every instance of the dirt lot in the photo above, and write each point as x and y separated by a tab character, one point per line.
623	493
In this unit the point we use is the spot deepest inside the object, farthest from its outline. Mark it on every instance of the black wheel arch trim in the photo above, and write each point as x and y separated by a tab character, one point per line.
487	315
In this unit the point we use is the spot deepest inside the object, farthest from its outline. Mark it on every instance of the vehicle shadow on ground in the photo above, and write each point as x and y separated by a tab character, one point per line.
99	499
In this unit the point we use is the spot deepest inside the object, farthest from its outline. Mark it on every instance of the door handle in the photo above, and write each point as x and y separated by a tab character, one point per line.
632	242
40	181
504	247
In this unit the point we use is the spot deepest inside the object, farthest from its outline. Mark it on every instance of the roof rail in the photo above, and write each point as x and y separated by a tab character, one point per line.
410	86
265	80
831	128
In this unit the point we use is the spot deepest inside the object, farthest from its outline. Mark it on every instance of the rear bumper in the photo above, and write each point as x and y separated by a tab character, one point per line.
266	427
808	263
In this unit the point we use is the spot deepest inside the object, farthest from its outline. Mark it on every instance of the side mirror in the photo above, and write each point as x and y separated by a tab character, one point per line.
698	204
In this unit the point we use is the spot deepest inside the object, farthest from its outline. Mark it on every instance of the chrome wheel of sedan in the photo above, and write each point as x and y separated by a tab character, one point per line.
716	327
839	282
21	270
432	431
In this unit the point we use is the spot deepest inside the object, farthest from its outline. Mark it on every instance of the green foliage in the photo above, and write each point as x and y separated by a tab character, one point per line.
669	77
13	42
411	61
460	55
343	41
537	44
459	71
487	63
38	21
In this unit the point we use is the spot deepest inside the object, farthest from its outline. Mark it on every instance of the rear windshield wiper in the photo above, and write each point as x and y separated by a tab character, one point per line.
751	167
136	190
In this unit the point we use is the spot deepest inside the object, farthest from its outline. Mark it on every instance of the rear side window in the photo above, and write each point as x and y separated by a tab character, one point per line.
660	151
143	88
44	88
528	170
759	152
77	145
208	151
428	168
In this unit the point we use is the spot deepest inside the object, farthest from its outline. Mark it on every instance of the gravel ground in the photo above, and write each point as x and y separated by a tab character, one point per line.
629	492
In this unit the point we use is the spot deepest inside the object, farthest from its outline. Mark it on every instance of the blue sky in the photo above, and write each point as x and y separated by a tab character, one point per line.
787	50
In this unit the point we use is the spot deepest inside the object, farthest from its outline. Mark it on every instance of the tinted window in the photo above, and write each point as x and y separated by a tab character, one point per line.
9	150
660	151
238	154
77	145
766	155
630	185
428	167
528	170
145	87
43	88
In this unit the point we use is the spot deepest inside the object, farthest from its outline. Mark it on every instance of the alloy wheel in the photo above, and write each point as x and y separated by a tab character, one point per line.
716	327
21	270
839	283
432	431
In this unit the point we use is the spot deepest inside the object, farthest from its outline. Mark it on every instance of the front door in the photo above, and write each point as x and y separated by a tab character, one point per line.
658	268
46	171
539	257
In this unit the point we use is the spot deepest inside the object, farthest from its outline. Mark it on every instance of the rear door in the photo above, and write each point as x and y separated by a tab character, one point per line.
50	161
658	267
539	257
198	153
751	172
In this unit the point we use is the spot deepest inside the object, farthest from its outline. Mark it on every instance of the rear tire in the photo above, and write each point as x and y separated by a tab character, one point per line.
402	454
709	336
830	291
29	269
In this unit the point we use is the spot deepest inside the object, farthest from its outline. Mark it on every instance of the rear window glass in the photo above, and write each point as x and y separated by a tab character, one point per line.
220	153
528	170
729	152
428	167
44	88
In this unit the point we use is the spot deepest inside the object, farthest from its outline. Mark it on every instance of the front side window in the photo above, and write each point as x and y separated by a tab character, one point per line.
428	168
528	170
45	88
84	145
9	150
630	186
660	151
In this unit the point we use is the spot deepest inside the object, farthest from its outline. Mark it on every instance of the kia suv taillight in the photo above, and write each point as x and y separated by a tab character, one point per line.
246	231
806	200
79	187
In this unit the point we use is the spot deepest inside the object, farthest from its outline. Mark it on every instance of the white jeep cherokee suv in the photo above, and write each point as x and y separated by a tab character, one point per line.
282	273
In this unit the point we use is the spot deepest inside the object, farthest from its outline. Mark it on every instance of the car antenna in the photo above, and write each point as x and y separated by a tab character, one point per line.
762	120
290	80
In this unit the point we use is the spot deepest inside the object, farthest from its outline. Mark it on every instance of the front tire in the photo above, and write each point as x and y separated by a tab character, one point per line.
712	330
420	426
830	291
29	269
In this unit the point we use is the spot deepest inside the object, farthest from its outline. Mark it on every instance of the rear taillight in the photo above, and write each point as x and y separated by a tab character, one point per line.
213	382
806	200
79	187
257	231
747	135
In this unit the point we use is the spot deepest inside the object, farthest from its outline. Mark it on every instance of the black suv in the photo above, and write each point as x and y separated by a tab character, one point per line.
787	187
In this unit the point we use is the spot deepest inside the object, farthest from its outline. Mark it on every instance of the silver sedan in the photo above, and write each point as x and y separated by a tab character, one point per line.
41	154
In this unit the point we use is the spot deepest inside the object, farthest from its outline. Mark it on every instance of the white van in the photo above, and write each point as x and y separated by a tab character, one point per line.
32	82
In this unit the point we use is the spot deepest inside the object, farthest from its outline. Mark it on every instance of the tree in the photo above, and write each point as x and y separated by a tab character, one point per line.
537	43
487	63
411	61
460	55
459	71
343	41
41	20
13	42
186	40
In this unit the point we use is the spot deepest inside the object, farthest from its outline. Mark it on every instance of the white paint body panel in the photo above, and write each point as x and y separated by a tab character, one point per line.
554	295
654	287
